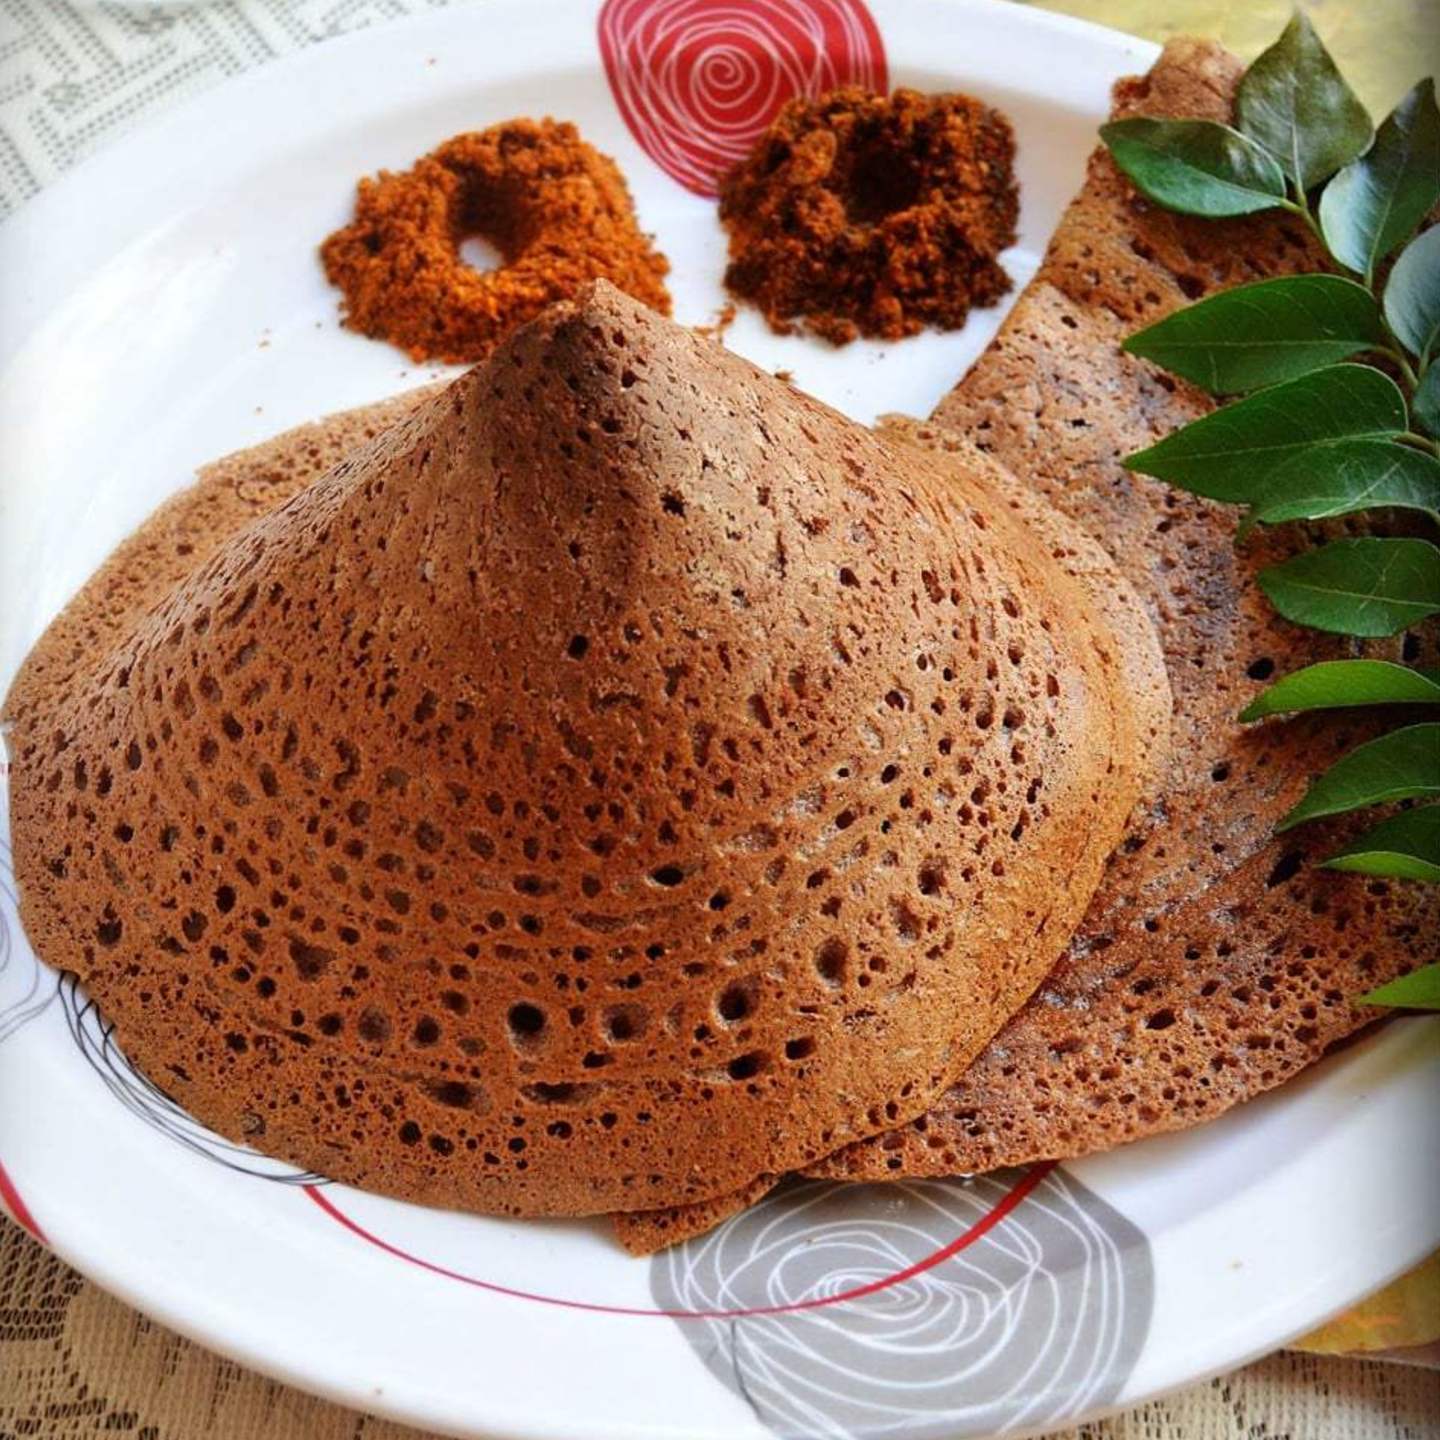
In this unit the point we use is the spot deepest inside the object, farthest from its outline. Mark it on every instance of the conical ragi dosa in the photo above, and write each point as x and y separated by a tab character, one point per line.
1215	962
617	779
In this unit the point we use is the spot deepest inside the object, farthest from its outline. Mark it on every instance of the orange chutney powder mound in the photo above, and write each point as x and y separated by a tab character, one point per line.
865	214
556	209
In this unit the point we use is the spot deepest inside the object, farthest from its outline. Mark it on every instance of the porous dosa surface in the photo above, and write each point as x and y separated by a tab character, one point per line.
1215	961
1108	595
619	779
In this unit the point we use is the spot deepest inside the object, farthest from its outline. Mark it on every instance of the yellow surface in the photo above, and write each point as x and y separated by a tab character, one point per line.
1403	1314
1383	47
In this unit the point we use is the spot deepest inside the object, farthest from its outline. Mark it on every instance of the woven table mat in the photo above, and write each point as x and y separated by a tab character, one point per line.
75	1362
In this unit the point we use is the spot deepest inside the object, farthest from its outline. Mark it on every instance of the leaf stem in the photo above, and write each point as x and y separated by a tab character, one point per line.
1301	207
1422	442
1402	363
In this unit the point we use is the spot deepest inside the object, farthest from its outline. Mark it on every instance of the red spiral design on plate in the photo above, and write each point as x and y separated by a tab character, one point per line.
1015	1195
10	1200
698	80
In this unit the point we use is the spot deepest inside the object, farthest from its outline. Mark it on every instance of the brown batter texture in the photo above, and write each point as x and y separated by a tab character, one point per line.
1215	961
1106	595
619	779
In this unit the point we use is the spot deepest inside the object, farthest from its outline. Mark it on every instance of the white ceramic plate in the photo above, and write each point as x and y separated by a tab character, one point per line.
162	306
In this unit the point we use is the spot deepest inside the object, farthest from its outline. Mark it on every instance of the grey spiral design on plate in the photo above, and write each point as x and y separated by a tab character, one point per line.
28	987
95	1039
1040	1318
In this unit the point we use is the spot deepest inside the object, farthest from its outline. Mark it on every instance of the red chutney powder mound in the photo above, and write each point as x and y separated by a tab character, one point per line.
557	210
865	214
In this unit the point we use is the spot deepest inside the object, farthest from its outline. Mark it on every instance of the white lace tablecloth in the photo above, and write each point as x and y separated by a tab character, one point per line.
75	75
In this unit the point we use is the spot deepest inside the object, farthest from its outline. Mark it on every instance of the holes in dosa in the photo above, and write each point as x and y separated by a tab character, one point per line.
721	784
310	961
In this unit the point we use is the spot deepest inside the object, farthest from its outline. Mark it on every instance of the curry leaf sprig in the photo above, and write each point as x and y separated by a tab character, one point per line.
1333	380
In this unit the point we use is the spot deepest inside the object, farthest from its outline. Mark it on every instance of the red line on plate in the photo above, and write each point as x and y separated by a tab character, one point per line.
987	1222
10	1198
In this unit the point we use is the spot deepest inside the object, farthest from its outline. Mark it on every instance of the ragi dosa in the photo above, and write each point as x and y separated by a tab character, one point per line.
619	779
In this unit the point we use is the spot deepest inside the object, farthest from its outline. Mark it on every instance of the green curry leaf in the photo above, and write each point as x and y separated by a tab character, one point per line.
1265	333
1195	166
1371	586
1334	684
1412	295
1404	847
1419	990
1403	765
1230	454
1294	101
1375	203
1425	403
1349	475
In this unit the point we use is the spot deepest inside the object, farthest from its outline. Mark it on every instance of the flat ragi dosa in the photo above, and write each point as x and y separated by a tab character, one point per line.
1215	961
